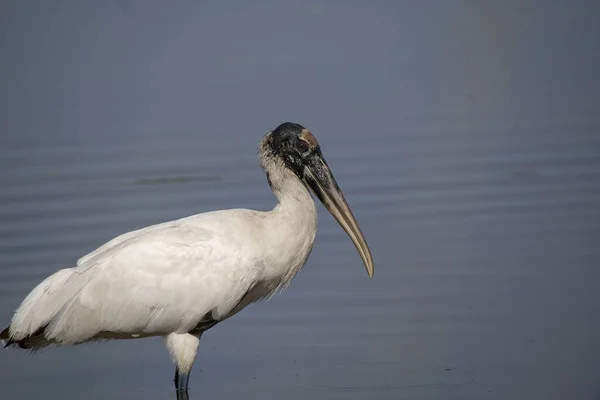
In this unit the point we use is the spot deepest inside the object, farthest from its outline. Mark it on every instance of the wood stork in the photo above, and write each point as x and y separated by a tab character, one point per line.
179	278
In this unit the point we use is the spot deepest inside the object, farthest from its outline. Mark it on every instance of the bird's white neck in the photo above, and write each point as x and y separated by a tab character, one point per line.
292	224
291	192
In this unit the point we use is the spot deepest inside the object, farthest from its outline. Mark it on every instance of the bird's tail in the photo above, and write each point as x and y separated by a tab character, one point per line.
5	337
27	329
32	342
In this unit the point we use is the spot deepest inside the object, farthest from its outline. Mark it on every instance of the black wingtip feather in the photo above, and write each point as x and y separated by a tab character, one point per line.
5	337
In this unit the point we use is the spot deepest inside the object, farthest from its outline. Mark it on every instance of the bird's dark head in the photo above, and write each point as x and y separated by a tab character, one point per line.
294	145
298	150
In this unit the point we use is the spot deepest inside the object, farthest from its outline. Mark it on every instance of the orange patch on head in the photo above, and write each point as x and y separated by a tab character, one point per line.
309	138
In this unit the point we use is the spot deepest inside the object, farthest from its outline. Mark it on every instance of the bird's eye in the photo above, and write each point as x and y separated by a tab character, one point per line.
302	146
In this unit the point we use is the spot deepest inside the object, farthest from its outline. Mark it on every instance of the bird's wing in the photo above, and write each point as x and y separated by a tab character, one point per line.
120	239
160	281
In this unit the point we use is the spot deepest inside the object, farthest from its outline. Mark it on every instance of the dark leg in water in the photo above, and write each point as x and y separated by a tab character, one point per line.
181	380
182	395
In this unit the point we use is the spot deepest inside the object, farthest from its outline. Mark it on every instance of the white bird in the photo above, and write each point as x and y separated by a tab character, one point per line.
178	279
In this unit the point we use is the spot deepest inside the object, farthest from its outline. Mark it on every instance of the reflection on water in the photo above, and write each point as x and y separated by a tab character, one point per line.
465	136
174	179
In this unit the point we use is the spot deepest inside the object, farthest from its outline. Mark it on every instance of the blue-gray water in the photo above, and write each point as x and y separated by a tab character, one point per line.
466	136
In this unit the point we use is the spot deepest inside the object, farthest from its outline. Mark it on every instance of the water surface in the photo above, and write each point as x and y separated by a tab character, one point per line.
466	136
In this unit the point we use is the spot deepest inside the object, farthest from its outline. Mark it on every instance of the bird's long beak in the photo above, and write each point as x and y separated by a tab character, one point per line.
319	178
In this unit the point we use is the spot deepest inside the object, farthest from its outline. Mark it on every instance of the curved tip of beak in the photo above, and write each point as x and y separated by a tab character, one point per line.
349	224
367	258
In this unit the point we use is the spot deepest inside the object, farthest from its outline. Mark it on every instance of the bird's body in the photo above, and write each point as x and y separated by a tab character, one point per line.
175	279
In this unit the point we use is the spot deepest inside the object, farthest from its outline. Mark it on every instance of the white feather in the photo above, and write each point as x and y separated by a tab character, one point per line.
165	278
